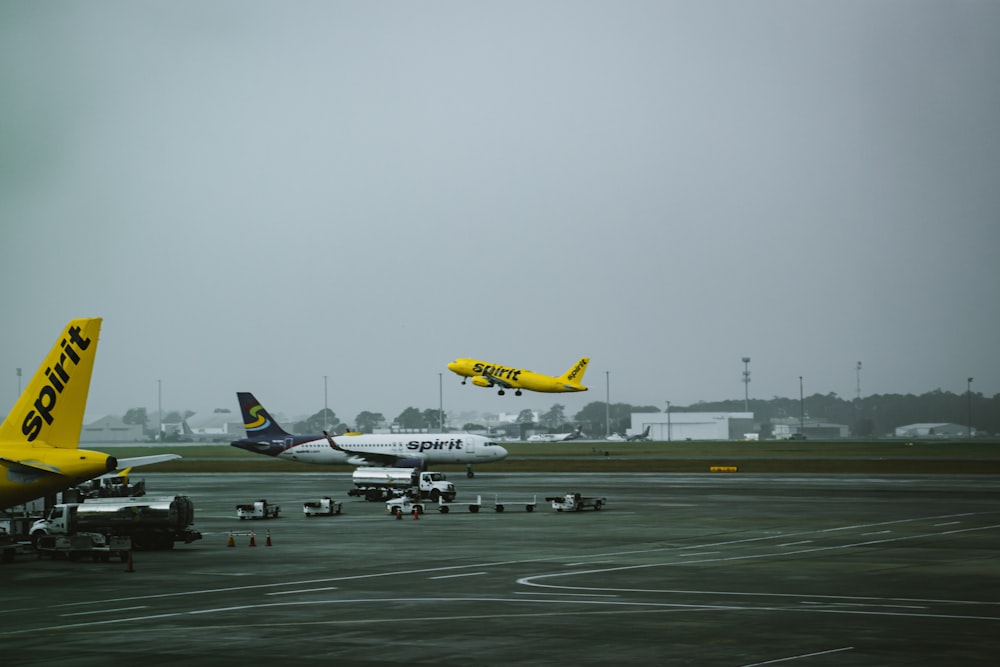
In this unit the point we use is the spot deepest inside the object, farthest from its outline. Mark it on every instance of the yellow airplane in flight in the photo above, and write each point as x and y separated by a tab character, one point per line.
39	439
486	374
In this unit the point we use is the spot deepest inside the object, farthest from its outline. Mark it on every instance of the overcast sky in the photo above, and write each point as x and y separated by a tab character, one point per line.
255	195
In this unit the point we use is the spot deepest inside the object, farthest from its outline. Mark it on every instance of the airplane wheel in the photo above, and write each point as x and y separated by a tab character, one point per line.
517	393
500	393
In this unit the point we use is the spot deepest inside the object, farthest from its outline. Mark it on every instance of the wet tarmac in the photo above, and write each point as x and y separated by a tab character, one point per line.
676	569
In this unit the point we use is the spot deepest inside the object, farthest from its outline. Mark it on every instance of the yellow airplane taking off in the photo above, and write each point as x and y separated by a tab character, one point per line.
39	438
485	374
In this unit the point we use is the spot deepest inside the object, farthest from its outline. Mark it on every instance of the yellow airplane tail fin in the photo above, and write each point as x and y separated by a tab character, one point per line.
50	410
575	374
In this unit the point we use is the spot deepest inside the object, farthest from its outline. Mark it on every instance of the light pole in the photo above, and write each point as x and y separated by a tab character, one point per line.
668	421
802	410
607	404
326	410
968	390
859	380
746	384
18	383
440	405
159	409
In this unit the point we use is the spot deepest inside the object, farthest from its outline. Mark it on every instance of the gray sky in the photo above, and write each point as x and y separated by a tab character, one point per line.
257	194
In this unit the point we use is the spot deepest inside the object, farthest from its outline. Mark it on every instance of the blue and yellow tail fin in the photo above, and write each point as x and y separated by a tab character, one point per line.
256	419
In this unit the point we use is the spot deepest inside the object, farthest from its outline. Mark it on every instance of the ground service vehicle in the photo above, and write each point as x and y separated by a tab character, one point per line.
325	506
8	548
497	505
150	523
383	483
79	546
403	505
259	509
574	502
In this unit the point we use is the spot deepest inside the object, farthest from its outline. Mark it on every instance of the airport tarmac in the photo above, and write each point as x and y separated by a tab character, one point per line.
678	569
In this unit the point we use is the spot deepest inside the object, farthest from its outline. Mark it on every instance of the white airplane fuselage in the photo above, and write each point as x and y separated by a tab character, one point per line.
433	449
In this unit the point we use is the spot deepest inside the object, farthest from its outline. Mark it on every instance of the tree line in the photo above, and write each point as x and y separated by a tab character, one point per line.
871	416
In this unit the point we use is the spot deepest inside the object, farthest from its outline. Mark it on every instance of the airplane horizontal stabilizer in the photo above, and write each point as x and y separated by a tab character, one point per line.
137	461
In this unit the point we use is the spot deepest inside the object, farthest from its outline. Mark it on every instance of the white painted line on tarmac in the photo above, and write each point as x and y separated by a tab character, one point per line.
305	590
104	611
799	657
588	595
792	544
452	576
588	562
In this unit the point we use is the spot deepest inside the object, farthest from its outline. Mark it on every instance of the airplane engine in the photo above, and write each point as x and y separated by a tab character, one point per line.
481	381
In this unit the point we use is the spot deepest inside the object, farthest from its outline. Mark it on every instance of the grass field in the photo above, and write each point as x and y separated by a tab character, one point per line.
954	457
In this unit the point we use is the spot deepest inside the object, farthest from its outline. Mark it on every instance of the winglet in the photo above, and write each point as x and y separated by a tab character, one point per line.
332	443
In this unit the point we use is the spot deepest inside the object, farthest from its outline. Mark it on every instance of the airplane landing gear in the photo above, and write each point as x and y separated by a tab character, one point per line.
517	393
500	393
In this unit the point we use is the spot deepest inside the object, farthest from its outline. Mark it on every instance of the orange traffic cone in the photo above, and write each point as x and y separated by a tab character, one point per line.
267	543
231	542
398	513
129	567
416	514
253	539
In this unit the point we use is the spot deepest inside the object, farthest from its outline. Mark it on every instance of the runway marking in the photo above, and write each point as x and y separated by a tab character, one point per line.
792	544
589	595
104	611
587	562
877	532
798	657
532	580
947	523
304	590
452	576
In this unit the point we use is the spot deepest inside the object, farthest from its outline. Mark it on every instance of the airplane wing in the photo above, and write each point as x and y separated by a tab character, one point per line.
136	461
22	467
500	382
356	457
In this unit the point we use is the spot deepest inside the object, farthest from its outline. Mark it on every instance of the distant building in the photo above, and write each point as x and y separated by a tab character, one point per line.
813	428
214	426
671	426
933	430
111	429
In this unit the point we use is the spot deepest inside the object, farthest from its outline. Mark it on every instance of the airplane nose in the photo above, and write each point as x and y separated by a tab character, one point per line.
453	366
